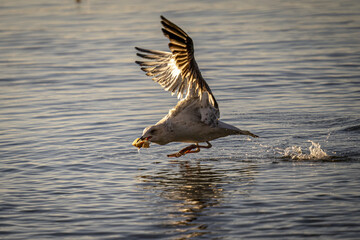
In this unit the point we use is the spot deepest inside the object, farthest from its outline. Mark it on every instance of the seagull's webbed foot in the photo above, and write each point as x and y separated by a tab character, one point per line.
189	149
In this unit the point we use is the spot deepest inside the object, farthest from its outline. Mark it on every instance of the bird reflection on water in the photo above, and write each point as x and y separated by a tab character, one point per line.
187	193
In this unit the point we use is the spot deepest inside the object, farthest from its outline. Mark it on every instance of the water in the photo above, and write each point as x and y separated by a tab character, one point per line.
72	101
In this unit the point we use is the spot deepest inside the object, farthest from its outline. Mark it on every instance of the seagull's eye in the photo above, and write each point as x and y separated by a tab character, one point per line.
153	131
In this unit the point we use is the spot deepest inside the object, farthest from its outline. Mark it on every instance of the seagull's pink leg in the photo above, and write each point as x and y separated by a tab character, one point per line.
189	149
184	151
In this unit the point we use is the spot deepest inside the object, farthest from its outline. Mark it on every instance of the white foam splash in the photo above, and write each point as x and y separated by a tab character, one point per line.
296	153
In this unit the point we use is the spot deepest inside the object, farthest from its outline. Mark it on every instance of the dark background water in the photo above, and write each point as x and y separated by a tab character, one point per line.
72	101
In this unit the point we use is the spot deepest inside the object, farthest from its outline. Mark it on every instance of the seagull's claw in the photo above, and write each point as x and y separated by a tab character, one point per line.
189	149
186	150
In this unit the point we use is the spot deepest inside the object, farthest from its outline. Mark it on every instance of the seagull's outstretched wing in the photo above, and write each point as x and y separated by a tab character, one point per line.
177	71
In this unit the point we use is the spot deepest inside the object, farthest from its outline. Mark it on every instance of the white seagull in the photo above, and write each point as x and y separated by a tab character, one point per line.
195	118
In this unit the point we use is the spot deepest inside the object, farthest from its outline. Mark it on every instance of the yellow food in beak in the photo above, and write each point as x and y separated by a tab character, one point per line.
141	143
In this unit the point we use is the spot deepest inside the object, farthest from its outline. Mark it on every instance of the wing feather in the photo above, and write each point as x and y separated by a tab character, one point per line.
178	71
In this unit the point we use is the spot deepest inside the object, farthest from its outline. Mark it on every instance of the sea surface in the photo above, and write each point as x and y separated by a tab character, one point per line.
72	100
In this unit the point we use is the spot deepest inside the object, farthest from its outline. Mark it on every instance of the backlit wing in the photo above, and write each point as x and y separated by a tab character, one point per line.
177	71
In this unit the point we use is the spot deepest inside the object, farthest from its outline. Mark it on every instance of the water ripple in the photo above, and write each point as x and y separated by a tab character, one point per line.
72	101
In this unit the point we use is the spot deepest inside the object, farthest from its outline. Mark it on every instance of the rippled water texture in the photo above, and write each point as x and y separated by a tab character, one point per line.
72	102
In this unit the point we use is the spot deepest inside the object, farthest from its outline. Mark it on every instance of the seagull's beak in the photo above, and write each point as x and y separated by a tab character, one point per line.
141	142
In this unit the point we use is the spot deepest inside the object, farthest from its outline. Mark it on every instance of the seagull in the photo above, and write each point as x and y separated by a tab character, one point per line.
195	118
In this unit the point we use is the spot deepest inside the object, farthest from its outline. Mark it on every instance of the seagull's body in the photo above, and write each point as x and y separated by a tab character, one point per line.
195	118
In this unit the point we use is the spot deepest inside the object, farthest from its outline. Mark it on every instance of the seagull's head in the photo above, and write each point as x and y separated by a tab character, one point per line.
156	134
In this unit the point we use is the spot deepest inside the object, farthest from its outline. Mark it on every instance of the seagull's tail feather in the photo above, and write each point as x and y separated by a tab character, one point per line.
234	130
244	132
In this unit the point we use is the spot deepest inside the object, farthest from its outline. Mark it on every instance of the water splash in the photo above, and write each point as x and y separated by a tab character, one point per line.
296	152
